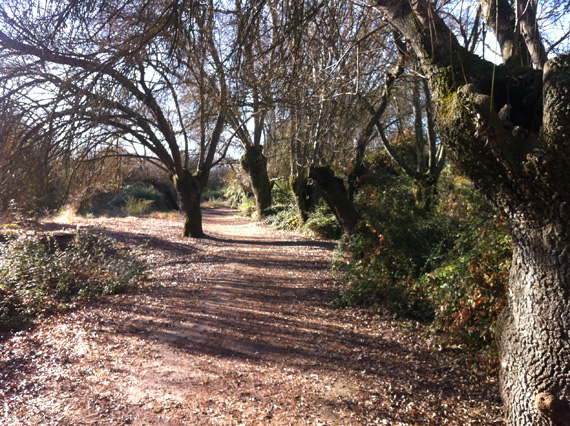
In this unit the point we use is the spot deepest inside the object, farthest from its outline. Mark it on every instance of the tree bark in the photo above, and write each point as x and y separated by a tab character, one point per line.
189	188
526	179
533	329
255	165
524	174
304	196
336	196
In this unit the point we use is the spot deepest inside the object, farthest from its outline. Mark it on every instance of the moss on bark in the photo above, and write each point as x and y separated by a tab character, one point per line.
254	164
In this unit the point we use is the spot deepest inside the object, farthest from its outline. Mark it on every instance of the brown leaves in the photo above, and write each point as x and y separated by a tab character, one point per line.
237	332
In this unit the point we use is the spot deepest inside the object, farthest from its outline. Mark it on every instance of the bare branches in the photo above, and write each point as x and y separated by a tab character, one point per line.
102	78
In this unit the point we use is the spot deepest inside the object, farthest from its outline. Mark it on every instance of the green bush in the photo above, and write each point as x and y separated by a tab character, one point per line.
247	206
38	276
393	246
449	265
137	199
283	216
322	223
469	288
136	206
138	192
383	266
214	195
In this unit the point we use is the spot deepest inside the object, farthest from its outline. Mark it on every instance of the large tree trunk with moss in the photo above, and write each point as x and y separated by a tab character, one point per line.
189	188
508	129
534	328
524	173
304	196
336	196
255	165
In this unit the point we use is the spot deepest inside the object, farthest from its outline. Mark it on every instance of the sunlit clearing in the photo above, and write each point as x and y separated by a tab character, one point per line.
67	214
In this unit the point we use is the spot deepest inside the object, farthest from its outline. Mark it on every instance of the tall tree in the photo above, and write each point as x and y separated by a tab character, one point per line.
139	73
253	74
508	128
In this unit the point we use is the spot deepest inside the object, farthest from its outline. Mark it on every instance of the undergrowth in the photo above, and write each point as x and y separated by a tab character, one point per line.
447	267
39	276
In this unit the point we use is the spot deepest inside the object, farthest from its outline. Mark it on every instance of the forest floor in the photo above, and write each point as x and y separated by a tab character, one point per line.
235	329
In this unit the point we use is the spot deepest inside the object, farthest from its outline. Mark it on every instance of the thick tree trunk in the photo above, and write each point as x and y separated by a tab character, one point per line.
255	165
189	188
336	196
533	329
304	197
526	178
520	162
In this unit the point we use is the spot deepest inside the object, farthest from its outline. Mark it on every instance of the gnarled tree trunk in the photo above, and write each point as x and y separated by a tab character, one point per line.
304	195
255	165
534	329
336	196
525	176
520	161
189	188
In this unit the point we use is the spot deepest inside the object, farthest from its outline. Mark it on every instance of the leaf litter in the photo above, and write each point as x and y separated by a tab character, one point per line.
235	329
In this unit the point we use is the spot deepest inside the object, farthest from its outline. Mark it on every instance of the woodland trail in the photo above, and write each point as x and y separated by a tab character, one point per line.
235	329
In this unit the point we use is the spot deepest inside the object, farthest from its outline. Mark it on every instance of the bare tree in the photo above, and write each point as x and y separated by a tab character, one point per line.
135	73
332	66
27	163
414	130
254	72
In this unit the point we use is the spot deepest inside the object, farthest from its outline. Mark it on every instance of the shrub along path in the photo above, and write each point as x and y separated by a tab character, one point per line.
234	329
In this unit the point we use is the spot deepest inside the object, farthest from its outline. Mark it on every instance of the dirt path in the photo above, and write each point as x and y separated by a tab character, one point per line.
236	329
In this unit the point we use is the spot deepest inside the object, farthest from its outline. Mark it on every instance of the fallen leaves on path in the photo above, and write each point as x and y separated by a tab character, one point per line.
236	329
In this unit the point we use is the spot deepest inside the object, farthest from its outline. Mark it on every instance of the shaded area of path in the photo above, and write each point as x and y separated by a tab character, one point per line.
234	329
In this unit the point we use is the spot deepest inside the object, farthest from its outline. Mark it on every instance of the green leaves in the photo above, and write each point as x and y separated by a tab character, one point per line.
41	274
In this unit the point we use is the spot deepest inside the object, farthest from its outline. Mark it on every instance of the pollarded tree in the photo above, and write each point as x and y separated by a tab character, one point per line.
258	27
138	73
332	65
508	129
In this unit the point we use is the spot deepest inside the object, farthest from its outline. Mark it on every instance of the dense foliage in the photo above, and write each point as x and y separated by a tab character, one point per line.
42	274
447	266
